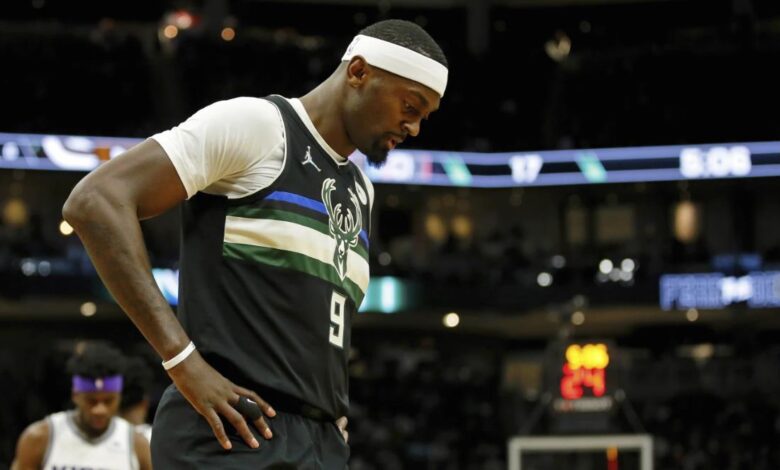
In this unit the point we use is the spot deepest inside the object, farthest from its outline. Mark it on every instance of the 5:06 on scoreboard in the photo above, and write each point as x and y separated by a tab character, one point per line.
715	162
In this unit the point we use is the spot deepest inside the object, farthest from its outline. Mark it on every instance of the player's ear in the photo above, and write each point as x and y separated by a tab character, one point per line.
358	71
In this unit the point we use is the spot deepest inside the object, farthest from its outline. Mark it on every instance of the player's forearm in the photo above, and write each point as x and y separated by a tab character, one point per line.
111	233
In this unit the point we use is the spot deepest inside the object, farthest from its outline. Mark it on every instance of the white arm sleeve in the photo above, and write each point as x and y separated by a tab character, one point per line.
224	148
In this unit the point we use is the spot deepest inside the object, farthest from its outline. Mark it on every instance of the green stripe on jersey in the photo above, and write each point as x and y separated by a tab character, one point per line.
295	238
295	261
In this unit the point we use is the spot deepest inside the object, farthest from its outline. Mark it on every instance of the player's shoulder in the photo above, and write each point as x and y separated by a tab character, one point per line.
32	446
139	438
245	104
243	107
124	426
253	122
36	433
120	421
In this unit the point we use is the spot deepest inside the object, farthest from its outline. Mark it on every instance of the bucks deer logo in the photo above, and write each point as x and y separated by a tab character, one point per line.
343	227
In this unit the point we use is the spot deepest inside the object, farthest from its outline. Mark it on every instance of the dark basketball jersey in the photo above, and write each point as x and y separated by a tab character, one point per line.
269	282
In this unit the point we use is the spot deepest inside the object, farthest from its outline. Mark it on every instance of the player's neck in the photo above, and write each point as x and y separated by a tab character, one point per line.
86	430
322	104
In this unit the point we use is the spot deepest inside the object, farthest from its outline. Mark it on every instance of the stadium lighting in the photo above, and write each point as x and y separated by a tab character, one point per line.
88	309
692	314
605	266
559	47
65	228
170	31
228	34
451	320
544	279
182	19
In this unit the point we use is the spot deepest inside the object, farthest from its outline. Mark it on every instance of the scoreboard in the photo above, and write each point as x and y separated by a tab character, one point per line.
466	169
583	385
584	371
582	378
575	167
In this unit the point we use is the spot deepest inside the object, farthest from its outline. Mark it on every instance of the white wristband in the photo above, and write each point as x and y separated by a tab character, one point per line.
175	360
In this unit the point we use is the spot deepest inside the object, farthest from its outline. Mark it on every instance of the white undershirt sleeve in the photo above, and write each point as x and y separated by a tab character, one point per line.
223	147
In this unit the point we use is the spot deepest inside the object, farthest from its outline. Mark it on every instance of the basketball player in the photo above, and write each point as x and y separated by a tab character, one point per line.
135	395
274	252
91	437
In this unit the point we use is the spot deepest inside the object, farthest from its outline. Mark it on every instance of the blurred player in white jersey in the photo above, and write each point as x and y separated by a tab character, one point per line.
91	436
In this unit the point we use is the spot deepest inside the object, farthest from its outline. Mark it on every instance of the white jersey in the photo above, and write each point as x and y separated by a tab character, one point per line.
144	430
70	449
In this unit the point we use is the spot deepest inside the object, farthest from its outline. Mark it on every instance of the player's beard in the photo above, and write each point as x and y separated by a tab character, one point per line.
377	154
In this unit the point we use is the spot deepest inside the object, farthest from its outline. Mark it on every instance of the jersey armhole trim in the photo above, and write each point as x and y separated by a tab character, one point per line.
369	195
134	463
284	140
50	444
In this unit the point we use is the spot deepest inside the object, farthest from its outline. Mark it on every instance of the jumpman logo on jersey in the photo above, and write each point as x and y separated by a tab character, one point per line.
308	159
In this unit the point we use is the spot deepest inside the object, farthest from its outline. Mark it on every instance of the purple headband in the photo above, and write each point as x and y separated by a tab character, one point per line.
111	383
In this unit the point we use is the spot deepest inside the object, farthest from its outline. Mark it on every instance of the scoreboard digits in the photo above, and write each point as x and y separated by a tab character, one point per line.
584	369
716	162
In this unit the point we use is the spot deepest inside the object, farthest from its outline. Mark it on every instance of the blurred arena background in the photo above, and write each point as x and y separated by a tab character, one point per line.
524	284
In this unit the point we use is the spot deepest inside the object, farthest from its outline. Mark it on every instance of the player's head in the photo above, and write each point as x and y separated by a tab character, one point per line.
96	371
395	75
135	400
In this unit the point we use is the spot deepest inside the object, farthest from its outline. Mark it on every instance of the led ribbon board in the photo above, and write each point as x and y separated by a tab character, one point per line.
758	289
466	169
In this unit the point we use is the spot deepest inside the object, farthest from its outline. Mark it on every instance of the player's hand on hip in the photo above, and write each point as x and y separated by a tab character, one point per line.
212	395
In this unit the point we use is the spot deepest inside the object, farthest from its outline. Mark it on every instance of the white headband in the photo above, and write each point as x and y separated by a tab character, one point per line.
400	61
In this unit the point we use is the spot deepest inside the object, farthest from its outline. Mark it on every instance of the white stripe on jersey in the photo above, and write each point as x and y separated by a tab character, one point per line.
289	236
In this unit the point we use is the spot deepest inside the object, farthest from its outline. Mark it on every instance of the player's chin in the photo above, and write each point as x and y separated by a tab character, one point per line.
377	156
99	427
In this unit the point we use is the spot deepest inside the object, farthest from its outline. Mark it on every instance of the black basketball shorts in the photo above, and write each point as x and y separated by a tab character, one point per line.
182	439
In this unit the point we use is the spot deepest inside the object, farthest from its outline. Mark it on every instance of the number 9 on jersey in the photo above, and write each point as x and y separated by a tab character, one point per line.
337	302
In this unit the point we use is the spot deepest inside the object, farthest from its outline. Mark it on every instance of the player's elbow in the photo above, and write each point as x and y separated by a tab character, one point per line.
82	205
73	209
